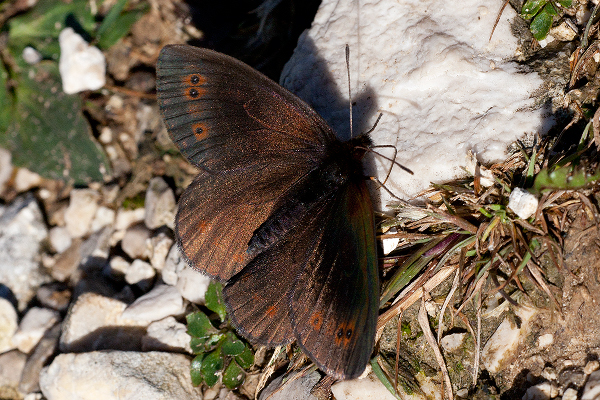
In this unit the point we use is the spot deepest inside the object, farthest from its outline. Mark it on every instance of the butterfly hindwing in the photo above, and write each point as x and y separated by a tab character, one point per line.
217	215
258	297
334	303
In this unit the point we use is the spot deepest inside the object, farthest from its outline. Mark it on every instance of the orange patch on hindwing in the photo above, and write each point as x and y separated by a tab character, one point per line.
202	225
344	333
271	311
316	320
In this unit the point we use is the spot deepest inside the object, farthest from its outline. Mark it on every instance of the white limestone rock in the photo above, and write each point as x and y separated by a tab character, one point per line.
83	205
8	325
81	66
167	335
160	204
96	322
523	203
174	264
501	348
139	272
22	231
119	375
430	67
369	387
161	302
33	326
60	239
192	285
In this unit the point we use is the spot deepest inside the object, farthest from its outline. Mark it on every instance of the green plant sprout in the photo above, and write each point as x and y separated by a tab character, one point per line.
219	352
542	12
45	129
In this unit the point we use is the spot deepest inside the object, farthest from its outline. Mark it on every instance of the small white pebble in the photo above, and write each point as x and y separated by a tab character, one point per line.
453	341
31	55
82	67
545	340
523	203
591	367
570	394
60	240
139	271
541	391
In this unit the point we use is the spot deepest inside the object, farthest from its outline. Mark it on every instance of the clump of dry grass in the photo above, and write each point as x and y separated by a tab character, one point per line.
466	229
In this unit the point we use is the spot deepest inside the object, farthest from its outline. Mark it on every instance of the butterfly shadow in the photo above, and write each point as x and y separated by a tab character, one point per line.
333	93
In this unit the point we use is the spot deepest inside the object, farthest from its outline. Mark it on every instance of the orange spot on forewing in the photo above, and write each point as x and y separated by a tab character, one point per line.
200	131
192	86
193	93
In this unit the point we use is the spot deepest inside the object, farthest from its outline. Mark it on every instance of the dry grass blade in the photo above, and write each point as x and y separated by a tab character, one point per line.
424	323
477	343
446	301
269	370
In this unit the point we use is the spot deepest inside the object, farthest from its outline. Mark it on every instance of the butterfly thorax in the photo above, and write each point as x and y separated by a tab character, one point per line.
311	193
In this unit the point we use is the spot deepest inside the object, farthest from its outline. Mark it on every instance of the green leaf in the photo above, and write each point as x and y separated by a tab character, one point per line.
565	3
111	18
564	178
41	26
232	345
233	376
540	26
198	345
196	370
48	133
214	299
532	7
117	23
6	100
550	9
405	329
211	364
246	358
199	325
205	344
383	378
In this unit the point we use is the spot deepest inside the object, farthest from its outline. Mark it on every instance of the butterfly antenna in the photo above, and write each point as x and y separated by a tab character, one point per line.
390	159
374	125
349	88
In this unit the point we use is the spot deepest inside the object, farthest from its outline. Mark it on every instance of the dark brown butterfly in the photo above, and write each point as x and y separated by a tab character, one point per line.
279	212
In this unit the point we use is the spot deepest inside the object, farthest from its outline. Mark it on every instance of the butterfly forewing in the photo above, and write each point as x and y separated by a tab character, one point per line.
222	114
251	139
